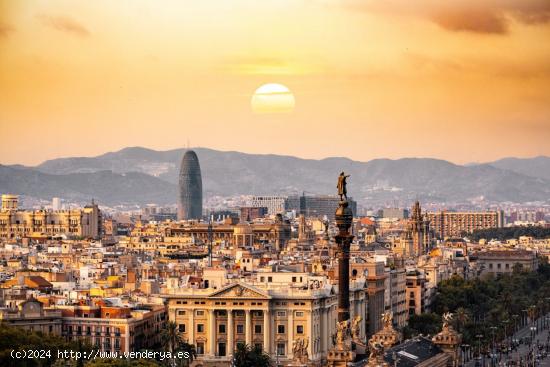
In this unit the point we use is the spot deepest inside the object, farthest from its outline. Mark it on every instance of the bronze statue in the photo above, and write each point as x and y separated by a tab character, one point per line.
342	331
356	327
342	190
387	319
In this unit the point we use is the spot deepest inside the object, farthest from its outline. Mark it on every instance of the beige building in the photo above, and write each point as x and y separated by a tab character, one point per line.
504	261
30	315
263	314
15	223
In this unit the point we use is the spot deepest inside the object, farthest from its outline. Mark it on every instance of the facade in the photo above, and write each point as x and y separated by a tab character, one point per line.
417	293
267	315
274	204
447	224
30	315
395	296
106	328
277	233
319	206
15	223
504	261
190	187
249	213
114	328
394	213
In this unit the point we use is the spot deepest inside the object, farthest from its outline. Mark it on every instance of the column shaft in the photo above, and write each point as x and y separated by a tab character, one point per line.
267	331
248	328
212	332
290	333
230	332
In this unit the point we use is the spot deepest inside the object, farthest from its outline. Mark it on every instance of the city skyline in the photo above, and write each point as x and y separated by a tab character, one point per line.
404	81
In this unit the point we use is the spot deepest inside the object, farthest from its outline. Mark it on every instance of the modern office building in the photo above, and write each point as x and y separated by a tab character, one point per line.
319	206
274	204
190	187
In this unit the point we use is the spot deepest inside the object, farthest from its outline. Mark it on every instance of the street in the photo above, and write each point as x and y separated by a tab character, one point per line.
528	347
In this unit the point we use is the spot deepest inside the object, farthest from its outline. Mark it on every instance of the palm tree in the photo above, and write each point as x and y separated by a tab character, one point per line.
191	352
462	318
172	342
171	338
246	356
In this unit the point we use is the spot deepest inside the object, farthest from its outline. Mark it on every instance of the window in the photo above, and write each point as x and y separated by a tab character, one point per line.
181	312
299	314
262	279
200	328
181	328
280	329
240	329
270	279
221	328
299	329
293	279
257	329
281	349
200	313
200	348
281	313
221	349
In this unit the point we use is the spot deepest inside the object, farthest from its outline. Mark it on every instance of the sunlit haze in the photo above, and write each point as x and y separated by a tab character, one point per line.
463	82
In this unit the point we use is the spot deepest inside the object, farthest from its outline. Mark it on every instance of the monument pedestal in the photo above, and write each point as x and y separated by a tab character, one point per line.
340	358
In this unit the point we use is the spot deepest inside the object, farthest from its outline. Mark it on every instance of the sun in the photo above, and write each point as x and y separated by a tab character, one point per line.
272	98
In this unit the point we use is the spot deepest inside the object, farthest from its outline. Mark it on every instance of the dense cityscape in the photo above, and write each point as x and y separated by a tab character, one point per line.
274	183
296	280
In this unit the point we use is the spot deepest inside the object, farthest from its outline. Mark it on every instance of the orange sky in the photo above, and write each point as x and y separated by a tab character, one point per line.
462	80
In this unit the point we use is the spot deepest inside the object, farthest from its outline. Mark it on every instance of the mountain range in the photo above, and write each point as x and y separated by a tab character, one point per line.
138	175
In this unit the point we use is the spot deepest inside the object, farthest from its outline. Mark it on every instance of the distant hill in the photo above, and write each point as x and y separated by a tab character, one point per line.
104	186
151	176
534	167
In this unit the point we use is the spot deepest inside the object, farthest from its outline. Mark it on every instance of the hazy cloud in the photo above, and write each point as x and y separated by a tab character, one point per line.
64	24
479	16
6	29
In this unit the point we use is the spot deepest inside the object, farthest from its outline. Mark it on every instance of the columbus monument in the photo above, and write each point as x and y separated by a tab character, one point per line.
342	353
190	187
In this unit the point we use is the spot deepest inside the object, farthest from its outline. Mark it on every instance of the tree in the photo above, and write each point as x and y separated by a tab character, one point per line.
461	318
172	342
14	338
171	338
247	356
117	362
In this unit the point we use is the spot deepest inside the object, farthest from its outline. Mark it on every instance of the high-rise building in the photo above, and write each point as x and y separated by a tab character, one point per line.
190	187
319	206
452	224
56	204
274	204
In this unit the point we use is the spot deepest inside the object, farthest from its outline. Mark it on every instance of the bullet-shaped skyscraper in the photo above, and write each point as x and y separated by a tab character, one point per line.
190	187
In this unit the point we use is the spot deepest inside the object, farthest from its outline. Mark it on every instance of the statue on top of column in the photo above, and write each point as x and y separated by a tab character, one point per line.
342	189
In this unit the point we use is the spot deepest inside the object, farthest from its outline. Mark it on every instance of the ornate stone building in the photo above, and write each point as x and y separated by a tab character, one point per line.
267	315
15	223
